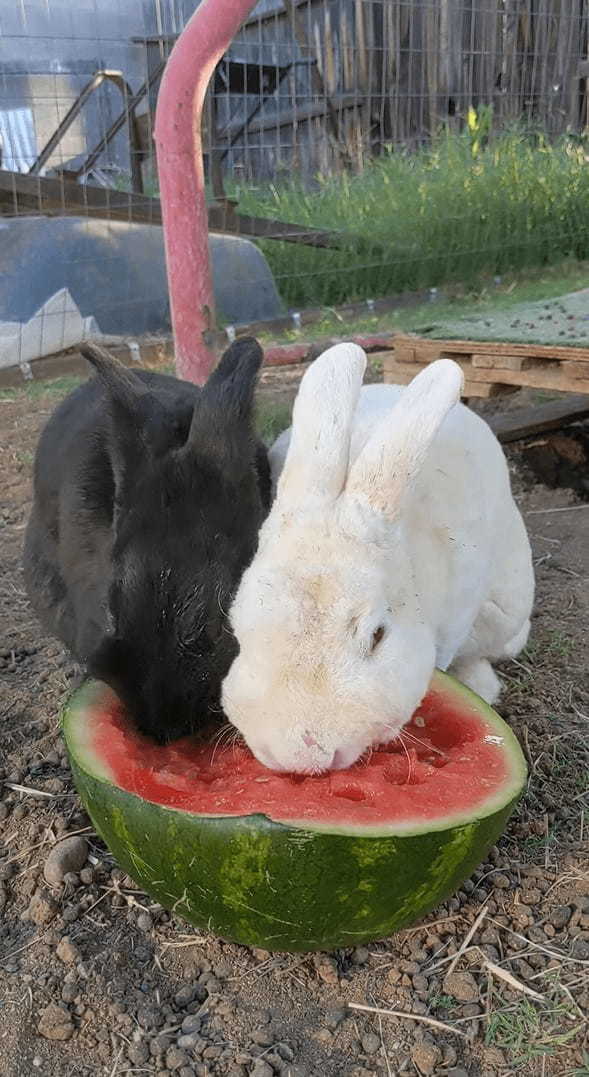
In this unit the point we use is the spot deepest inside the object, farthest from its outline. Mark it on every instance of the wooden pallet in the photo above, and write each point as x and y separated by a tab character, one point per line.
490	368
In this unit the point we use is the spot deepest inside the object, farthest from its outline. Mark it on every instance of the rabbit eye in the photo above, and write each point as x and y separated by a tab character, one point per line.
377	635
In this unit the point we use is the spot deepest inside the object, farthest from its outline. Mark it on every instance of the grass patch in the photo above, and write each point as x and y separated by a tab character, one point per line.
271	419
440	213
52	387
527	1032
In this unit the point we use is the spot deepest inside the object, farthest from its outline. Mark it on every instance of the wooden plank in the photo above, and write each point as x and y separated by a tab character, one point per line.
525	422
541	376
395	373
501	362
426	348
574	370
300	23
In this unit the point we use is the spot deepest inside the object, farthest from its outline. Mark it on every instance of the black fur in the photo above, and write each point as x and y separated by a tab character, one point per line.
148	497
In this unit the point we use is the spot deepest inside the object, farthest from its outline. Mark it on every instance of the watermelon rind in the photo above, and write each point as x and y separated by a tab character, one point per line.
261	882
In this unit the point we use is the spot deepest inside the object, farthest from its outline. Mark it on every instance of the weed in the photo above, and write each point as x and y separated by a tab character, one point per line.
442	1002
436	215
271	419
54	387
529	1032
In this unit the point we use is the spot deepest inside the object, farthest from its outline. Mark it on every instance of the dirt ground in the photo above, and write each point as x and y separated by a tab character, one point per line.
95	980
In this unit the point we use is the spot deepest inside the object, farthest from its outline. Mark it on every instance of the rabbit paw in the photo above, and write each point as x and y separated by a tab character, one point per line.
479	675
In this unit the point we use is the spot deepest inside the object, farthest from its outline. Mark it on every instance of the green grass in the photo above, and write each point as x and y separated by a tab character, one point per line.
271	419
486	297
441	215
527	1032
51	387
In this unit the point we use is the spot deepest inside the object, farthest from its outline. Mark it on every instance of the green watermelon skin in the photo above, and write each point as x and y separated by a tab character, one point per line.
260	883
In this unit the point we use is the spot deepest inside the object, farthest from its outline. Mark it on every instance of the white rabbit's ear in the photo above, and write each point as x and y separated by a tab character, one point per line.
317	461
396	451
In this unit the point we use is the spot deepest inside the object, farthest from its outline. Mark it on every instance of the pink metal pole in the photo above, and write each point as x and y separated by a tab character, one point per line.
178	140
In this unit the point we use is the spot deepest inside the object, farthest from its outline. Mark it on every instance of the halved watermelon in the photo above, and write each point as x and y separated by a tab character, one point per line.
290	862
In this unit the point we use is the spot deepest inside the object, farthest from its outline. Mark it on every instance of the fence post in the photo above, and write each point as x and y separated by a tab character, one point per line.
178	141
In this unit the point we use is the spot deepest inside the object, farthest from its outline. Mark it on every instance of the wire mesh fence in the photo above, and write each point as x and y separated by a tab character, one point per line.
364	147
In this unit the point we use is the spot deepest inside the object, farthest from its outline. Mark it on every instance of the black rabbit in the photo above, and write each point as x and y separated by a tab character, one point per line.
148	496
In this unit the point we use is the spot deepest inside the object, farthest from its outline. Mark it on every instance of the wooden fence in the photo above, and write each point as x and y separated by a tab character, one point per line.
367	73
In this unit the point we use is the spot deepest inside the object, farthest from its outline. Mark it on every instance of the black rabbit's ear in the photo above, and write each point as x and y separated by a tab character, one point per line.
233	381
125	390
139	422
222	420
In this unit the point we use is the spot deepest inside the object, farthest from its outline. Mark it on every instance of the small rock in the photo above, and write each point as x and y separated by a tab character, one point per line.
261	1069
560	916
259	954
263	1037
187	1071
334	1018
55	1023
144	922
67	951
326	968
69	992
176	1058
471	1010
425	1057
138	1053
191	1023
530	897
188	1041
285	1051
360	955
87	876
184	996
42	908
461	985
150	1017
580	949
501	882
457	1071
370	1043
68	855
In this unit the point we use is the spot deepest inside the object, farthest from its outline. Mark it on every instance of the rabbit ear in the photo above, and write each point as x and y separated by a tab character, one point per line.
396	451
318	455
226	401
139	422
232	384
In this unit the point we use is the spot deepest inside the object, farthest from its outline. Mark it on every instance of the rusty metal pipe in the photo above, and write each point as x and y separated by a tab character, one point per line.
178	141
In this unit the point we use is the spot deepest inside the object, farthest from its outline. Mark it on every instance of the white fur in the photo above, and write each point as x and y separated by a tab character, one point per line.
393	511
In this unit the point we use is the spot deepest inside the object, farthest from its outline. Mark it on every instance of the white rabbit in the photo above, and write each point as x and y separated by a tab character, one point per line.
394	546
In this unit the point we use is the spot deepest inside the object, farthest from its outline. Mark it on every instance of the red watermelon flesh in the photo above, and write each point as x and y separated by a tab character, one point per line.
449	762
